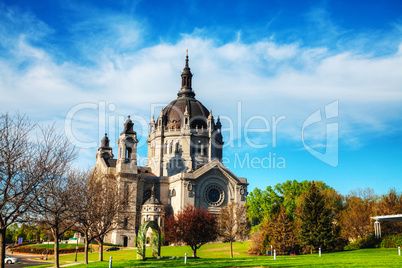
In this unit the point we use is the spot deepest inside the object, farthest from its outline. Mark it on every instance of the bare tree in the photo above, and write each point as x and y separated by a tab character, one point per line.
83	205
53	203
96	207
233	223
53	209
106	202
26	164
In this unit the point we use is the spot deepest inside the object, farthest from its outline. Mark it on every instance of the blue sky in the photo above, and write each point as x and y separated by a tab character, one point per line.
254	63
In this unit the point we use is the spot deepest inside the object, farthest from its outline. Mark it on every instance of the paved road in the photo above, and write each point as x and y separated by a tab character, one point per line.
25	261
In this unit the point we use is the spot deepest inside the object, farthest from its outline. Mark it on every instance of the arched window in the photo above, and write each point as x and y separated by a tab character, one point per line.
128	152
177	147
173	192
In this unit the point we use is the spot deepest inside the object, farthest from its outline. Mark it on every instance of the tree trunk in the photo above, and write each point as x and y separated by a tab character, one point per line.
195	252
86	247
231	249
56	249
2	246
100	242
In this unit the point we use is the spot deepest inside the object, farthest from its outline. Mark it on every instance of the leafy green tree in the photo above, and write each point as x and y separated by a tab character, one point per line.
261	204
316	221
292	190
10	232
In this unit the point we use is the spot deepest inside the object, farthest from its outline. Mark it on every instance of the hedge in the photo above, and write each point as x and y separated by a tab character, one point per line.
34	250
391	241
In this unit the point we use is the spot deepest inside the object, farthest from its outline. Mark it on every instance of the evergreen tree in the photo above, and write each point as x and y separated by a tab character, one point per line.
282	236
316	221
266	243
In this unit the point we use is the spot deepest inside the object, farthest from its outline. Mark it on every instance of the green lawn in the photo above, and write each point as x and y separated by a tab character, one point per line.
216	255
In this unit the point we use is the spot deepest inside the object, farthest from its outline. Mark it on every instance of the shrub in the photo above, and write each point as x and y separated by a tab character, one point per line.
366	242
391	241
256	241
109	244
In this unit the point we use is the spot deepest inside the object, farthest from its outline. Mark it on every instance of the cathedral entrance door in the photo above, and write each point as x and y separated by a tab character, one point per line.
156	240
125	241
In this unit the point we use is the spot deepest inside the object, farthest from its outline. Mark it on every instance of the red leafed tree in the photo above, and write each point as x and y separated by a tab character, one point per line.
171	229
192	226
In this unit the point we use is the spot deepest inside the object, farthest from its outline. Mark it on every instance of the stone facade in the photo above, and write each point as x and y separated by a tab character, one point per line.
183	165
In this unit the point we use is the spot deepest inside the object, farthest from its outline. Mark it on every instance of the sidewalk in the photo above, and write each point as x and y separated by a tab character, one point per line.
72	263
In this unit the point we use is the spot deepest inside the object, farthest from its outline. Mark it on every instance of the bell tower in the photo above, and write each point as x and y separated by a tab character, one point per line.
127	155
105	151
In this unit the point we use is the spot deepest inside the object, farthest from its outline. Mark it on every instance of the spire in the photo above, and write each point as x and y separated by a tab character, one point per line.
218	124
210	114
186	67
186	77
153	190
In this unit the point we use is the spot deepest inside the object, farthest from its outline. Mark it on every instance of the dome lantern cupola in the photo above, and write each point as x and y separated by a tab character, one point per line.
105	143
186	77
128	127
153	210
105	151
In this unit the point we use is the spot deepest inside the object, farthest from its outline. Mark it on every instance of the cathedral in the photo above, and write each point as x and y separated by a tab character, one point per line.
183	165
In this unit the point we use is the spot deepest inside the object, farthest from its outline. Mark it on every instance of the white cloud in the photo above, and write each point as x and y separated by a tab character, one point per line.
269	78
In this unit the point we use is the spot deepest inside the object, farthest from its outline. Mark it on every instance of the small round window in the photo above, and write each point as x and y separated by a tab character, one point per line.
214	195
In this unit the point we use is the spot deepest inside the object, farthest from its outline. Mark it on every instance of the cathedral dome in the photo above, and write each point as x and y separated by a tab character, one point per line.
153	201
197	112
186	104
